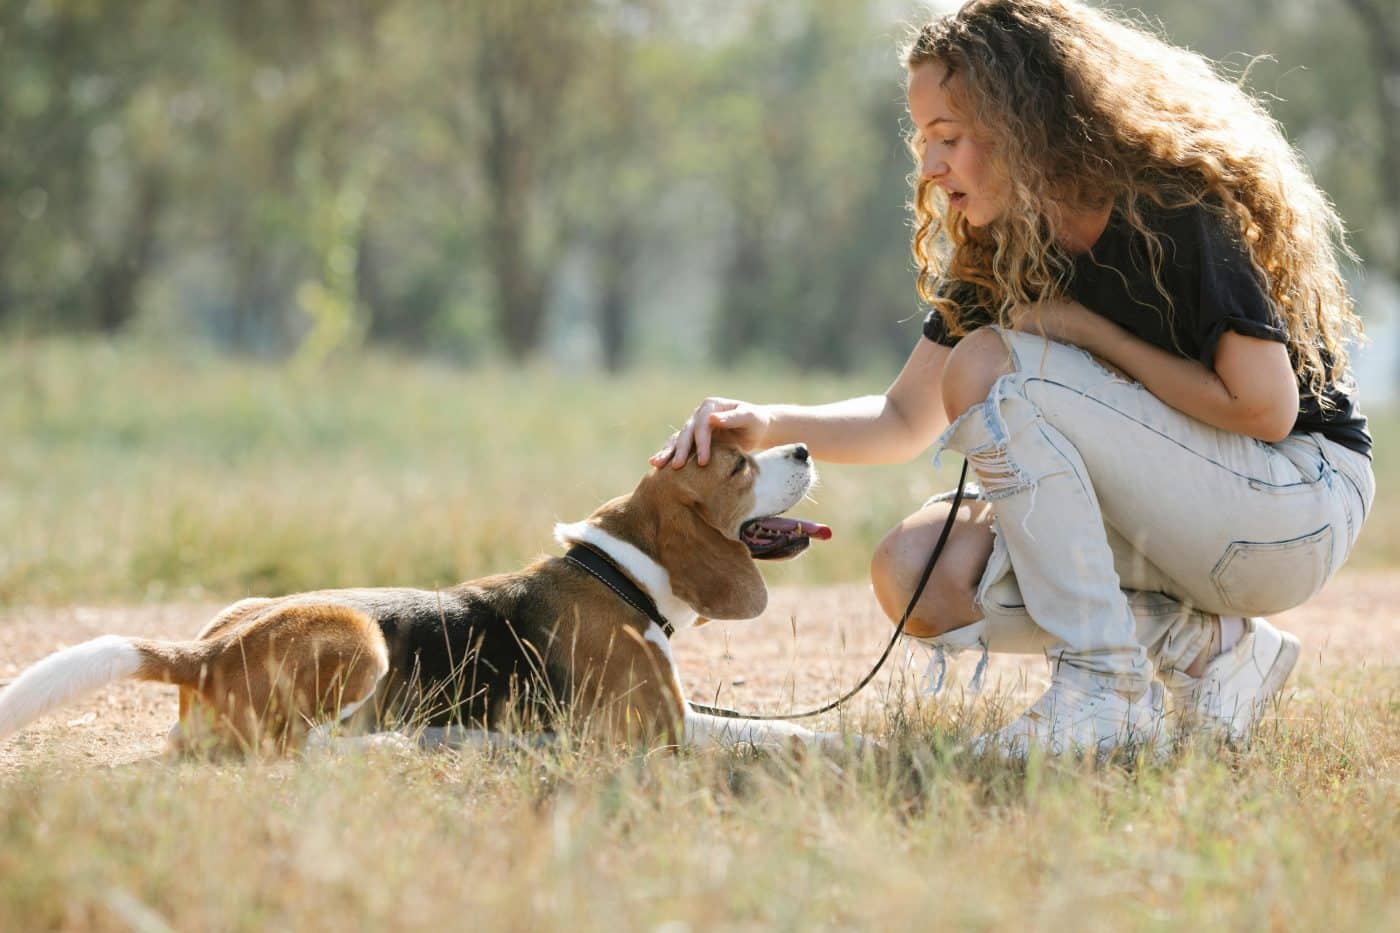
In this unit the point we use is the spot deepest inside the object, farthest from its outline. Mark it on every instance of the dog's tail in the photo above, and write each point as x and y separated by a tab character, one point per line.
70	674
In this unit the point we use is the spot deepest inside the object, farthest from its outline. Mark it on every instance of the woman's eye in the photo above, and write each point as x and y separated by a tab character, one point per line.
949	142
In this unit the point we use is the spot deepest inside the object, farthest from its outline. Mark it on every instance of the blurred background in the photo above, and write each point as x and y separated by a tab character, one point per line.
595	182
276	250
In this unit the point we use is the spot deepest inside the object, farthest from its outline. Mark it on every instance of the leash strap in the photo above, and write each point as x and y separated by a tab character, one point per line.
898	630
602	567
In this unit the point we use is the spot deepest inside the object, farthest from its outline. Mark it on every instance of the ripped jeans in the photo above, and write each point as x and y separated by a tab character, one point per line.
1123	527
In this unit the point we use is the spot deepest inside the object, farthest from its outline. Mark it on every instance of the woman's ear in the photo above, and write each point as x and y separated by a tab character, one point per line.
714	574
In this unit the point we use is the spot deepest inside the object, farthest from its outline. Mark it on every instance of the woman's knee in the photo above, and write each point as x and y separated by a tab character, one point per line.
948	601
974	366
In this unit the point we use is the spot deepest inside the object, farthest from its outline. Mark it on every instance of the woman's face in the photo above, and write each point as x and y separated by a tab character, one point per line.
953	158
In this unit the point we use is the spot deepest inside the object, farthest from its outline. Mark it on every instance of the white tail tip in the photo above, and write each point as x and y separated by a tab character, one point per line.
66	676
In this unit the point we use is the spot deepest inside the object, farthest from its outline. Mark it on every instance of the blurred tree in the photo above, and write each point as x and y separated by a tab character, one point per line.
309	175
1323	77
416	252
806	137
619	174
299	148
83	177
513	66
1379	21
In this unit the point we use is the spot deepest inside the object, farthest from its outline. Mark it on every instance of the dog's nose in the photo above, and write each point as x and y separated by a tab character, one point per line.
800	453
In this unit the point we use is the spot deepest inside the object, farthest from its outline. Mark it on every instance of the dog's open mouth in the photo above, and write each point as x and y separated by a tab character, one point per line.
775	538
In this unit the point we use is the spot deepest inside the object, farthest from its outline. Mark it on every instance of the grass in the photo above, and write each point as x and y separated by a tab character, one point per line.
135	474
132	474
1297	833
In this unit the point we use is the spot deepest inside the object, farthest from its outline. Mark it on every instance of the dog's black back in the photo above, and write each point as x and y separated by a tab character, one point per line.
478	658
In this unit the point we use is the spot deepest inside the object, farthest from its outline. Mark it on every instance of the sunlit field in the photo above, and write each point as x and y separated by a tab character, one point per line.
1300	833
129	474
138	475
132	476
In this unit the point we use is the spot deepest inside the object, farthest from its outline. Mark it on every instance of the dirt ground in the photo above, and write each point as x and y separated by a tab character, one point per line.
811	644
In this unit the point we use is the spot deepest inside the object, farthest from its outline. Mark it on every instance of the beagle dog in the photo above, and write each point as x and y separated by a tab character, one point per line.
575	642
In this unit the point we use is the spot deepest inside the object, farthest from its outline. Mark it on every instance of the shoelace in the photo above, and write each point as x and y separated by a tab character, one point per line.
937	670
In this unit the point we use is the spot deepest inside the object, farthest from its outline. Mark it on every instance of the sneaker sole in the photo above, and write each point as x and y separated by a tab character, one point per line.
1287	658
1284	663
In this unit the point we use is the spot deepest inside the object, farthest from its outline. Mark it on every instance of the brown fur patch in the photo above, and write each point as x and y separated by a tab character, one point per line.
265	678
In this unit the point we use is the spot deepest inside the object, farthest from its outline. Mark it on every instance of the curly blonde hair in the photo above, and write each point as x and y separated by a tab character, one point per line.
1082	110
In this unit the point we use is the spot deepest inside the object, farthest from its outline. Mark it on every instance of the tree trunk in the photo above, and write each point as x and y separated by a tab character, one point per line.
120	279
519	307
369	287
740	321
620	247
1378	20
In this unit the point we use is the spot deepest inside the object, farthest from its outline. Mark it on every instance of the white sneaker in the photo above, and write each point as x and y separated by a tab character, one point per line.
1081	713
1228	698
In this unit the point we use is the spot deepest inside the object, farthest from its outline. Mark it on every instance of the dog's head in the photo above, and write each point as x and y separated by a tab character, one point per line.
707	525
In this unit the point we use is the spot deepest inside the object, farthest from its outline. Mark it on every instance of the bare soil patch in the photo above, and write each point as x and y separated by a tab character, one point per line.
812	643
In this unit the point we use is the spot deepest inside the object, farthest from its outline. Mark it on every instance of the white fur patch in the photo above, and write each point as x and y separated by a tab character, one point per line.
350	709
654	635
646	572
64	677
782	481
704	729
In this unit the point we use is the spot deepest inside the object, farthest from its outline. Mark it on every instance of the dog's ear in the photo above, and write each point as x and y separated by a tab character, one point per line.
711	572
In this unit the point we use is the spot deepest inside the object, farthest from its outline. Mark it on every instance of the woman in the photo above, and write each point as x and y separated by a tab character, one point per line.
1137	338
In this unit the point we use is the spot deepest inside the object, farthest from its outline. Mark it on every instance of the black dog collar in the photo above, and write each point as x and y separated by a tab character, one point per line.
601	566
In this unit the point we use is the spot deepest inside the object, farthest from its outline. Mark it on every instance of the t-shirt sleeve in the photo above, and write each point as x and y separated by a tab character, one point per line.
935	328
1232	294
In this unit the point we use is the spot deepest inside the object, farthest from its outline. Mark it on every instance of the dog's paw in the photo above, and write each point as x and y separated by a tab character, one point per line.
326	740
846	742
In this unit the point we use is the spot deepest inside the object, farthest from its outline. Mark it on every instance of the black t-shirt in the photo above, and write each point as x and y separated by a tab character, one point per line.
1214	288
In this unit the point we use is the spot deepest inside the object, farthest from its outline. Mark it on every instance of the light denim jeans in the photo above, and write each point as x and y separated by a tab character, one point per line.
1123	527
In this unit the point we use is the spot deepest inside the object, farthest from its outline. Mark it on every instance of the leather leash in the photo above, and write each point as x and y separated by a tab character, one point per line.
898	629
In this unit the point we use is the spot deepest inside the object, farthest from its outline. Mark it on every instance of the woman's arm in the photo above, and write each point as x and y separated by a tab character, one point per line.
889	428
1252	390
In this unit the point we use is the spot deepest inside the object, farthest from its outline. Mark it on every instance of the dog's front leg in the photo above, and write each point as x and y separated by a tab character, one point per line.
702	729
706	730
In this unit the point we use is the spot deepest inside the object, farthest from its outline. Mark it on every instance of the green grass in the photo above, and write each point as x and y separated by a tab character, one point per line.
1298	833
134	474
129	473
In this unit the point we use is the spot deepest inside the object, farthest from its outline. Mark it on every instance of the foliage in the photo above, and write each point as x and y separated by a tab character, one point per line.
599	179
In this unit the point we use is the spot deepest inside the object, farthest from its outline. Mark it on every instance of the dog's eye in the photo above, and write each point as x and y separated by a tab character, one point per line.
739	467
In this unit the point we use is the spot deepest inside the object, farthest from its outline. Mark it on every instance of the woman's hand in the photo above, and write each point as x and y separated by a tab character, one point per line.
748	422
1065	322
1252	389
1069	322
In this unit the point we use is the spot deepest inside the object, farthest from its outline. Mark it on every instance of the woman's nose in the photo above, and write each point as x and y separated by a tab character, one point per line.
932	167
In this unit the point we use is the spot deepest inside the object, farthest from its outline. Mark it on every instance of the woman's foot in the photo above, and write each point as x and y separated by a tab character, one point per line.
1231	690
1082	713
